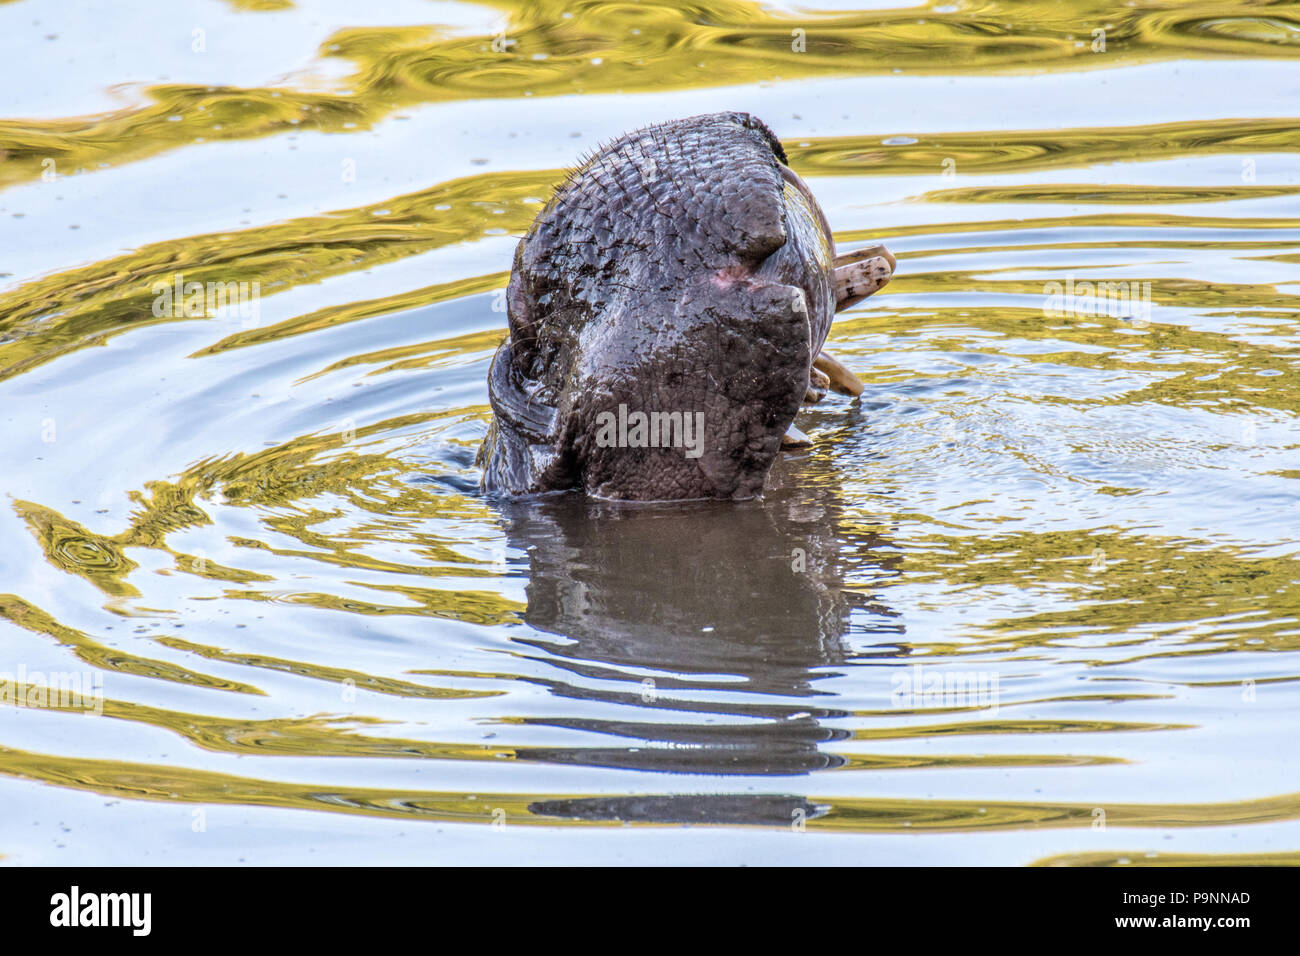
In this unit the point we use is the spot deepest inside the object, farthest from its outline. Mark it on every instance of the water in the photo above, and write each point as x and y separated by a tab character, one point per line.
248	542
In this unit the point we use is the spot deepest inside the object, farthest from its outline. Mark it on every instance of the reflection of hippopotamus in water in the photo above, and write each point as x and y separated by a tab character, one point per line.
712	631
667	313
684	638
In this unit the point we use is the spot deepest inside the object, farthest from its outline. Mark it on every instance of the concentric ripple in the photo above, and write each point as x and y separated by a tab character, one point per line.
1033	599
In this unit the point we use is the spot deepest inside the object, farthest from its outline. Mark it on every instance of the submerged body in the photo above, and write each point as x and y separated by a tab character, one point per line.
666	309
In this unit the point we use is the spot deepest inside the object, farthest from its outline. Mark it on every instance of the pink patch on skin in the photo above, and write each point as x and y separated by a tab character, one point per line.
730	276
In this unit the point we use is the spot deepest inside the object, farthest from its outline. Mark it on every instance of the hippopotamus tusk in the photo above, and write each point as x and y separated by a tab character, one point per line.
858	274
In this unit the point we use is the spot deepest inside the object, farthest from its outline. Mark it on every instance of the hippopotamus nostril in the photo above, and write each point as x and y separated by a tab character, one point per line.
666	311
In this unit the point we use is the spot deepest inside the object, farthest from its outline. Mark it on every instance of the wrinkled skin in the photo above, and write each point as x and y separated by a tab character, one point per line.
682	269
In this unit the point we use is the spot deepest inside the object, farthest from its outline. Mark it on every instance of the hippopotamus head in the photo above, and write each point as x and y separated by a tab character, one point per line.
666	310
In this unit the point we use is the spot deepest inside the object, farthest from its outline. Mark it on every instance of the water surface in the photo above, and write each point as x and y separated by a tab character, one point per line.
251	536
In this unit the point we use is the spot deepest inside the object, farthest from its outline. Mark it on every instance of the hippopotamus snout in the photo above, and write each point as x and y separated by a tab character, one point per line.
666	311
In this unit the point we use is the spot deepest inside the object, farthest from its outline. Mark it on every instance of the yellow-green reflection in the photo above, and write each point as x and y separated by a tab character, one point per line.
1022	151
1202	377
50	317
256	5
356	311
336	736
1143	859
838	814
17	611
604	47
541	640
289	475
1149	588
70	547
1118	195
337	675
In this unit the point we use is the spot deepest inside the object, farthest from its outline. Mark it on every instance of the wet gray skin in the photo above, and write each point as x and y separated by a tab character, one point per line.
666	310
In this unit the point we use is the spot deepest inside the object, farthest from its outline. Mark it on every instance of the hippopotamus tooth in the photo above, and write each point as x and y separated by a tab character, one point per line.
667	312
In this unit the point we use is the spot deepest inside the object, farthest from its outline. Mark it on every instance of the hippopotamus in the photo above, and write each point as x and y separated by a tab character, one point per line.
667	311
